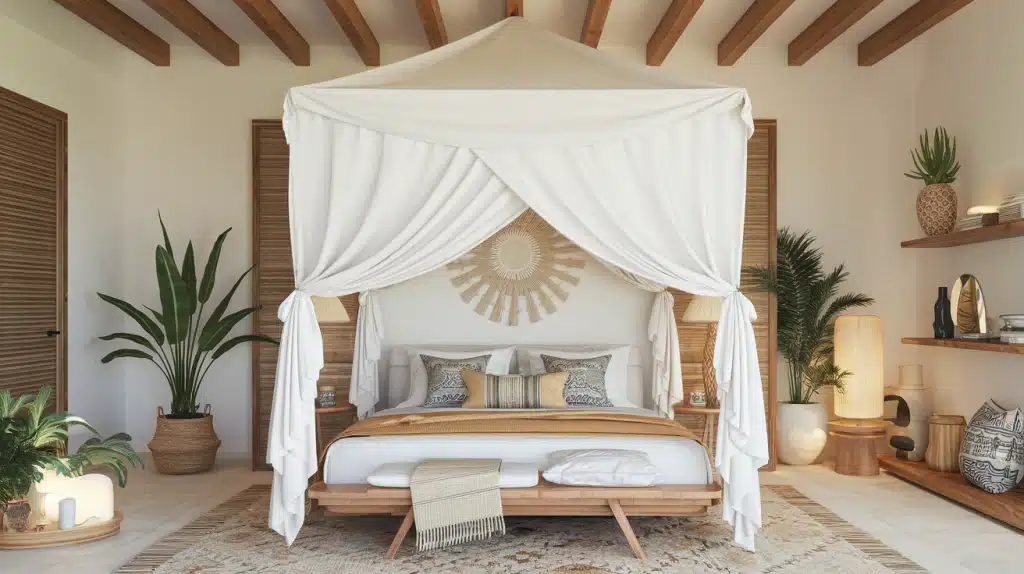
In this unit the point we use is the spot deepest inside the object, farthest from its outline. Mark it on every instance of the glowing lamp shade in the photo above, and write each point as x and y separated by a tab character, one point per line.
330	310
858	344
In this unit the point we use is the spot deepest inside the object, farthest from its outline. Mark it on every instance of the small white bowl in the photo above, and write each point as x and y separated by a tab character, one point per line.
1013	321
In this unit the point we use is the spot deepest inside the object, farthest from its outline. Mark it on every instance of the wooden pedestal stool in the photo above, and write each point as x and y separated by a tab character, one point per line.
855	445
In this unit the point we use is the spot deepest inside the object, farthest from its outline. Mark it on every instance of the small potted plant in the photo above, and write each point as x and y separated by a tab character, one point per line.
935	164
20	467
808	304
183	344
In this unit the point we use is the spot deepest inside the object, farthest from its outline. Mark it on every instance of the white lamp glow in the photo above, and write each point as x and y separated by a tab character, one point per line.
93	495
858	344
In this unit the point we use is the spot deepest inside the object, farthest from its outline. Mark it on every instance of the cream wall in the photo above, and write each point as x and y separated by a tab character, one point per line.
84	89
972	85
843	133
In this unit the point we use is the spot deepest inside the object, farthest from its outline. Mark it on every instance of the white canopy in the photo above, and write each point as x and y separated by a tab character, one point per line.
397	171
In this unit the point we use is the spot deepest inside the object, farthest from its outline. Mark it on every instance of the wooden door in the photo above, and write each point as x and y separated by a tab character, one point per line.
273	280
33	203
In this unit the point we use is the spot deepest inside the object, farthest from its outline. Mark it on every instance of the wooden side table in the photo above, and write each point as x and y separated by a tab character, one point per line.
320	411
855	445
710	418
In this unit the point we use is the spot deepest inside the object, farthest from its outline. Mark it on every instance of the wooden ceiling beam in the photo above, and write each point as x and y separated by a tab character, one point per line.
268	18
513	8
351	20
433	25
121	27
670	29
829	26
593	22
913	22
754	22
194	24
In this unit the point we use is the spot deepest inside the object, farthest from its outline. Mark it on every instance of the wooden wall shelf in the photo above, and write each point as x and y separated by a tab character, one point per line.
1007	508
979	235
994	347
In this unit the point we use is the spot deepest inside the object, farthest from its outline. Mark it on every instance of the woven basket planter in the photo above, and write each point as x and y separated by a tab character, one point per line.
936	209
184	446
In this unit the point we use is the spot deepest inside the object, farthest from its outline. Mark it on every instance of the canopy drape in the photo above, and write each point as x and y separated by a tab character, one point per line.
392	178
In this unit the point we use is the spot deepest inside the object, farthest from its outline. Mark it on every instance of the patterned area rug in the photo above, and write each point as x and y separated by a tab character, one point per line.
799	535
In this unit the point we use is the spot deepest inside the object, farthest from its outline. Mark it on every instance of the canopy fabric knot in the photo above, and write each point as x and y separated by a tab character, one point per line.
397	171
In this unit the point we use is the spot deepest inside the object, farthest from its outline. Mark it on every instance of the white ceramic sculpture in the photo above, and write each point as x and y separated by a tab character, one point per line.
93	495
919	401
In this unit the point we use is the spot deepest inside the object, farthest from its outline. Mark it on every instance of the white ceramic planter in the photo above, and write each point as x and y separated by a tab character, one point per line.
803	431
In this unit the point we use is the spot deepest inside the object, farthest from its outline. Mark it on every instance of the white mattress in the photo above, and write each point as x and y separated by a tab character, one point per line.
352	460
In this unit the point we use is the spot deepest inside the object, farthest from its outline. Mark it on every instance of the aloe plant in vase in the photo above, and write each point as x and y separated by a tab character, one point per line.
183	339
935	164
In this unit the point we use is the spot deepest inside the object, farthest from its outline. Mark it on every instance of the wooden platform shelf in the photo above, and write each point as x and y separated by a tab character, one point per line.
990	346
1007	508
51	535
545	499
979	235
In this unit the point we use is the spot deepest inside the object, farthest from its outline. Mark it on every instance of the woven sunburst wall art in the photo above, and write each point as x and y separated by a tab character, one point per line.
528	263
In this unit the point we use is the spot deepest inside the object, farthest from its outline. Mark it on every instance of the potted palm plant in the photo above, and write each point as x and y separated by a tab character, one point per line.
935	164
20	468
32	443
183	343
808	303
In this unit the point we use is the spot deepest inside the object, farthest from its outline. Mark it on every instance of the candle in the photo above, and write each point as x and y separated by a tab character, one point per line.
66	513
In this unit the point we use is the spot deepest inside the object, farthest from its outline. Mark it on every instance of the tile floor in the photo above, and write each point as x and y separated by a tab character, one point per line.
939	535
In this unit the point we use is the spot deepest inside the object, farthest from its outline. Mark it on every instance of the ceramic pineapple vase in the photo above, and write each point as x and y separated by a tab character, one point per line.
936	209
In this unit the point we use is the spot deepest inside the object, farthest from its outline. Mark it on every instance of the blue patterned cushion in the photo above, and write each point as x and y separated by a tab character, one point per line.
585	385
445	387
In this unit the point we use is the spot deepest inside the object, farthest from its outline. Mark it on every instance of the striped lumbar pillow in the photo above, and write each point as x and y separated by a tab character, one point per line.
514	391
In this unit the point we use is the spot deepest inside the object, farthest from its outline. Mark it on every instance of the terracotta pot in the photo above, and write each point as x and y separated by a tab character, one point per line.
15	517
184	446
802	432
936	209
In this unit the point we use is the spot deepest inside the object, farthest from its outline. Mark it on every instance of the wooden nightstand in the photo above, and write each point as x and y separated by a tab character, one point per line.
710	418
345	409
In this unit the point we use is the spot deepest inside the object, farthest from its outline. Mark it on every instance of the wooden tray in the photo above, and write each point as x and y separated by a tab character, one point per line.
51	535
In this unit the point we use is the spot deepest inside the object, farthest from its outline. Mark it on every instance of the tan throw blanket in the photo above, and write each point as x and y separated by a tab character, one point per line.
455	501
498	421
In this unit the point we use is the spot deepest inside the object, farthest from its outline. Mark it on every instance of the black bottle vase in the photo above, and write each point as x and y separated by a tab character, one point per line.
943	323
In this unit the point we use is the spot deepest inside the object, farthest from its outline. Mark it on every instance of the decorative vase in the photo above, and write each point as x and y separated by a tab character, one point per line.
936	209
184	446
943	320
945	433
802	432
992	452
16	516
918	401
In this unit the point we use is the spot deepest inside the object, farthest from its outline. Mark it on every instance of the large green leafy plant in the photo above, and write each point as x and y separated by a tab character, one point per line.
935	161
177	339
808	303
29	427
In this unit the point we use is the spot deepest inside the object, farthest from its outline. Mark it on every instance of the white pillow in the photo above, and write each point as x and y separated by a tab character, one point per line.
511	475
609	467
498	364
616	377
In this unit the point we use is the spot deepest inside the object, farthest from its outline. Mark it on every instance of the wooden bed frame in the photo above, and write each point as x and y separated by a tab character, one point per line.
545	499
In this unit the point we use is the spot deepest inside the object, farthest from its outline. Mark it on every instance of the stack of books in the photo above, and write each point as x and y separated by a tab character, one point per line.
1010	210
968	222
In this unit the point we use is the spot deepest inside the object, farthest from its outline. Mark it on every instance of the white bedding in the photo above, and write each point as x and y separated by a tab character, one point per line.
352	460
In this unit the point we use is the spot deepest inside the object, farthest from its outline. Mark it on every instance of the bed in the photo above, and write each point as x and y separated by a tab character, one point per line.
409	435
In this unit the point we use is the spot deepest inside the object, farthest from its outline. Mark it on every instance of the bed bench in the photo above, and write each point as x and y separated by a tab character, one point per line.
545	499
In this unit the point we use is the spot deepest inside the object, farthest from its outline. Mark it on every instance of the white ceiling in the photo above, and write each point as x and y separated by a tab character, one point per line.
629	23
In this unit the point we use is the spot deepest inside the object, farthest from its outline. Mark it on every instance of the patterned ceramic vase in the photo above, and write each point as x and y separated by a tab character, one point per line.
992	453
936	209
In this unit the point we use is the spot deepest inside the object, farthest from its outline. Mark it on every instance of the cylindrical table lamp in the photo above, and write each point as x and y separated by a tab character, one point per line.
858	349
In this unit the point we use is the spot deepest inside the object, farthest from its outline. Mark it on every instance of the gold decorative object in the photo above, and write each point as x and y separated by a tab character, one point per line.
968	306
527	263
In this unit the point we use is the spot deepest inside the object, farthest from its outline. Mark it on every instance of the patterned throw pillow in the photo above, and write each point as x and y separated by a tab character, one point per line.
585	385
445	387
514	391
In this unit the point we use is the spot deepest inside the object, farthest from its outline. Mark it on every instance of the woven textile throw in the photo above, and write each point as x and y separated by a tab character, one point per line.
455	501
514	391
